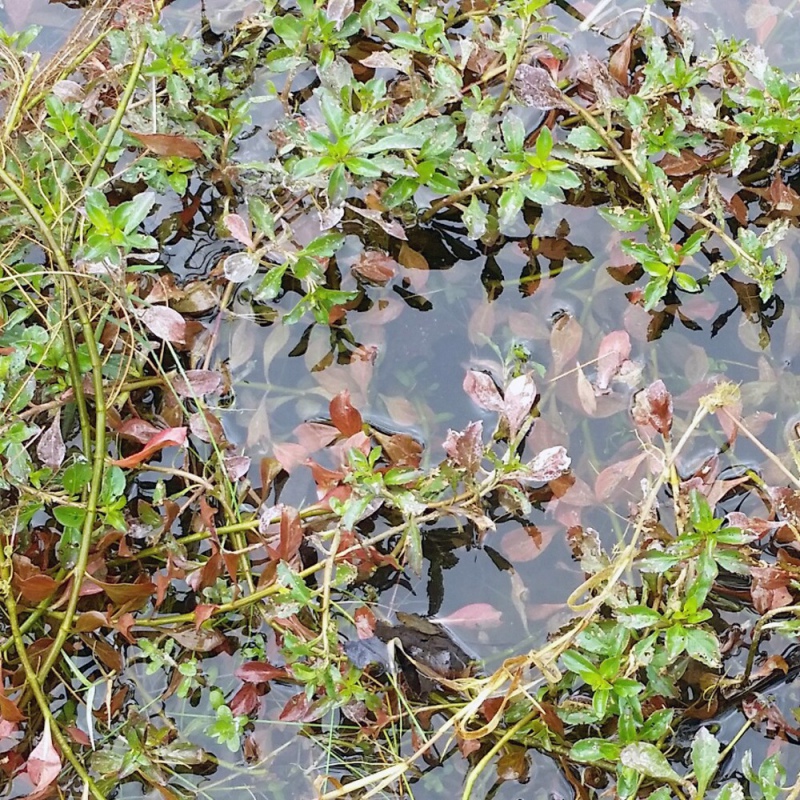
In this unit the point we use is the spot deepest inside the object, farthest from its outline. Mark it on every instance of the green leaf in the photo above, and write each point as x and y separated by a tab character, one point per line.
649	761
580	665
686	282
656	288
76	477
513	132
69	516
510	204
544	143
703	646
584	138
705	759
338	186
400	191
130	215
262	217
739	157
306	166
97	210
413	546
475	218
363	167
113	485
324	246
589	751
638	617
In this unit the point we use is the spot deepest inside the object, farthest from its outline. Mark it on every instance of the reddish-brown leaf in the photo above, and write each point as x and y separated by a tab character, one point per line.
565	341
548	465
769	588
9	710
36	587
201	641
411	259
203	612
365	622
237	467
245	701
619	63
239	229
169	144
344	415
259	672
525	543
483	391
136	429
300	709
611	477
687	163
197	382
51	448
614	350
122	593
165	323
207	427
518	401
375	266
653	406
465	448
170	437
536	89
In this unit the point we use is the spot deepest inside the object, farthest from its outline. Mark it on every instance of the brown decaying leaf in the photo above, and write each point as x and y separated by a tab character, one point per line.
614	350
525	543
165	323
769	588
169	144
412	259
201	641
594	73
207	427
535	88
483	391
344	415
197	382
619	63
167	438
465	448
239	229
51	448
687	163
548	465
565	341
338	11
375	266
365	622
653	406
136	429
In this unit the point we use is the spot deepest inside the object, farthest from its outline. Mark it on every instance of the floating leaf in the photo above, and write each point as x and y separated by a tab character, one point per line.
474	615
170	437
653	406
167	144
344	415
483	391
259	672
375	267
197	382
465	448
614	350
201	641
550	464
165	323
518	401
240	267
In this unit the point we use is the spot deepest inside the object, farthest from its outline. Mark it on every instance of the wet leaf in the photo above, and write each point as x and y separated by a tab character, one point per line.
513	765
197	382
653	406
619	63
165	323
44	762
465	448
375	267
412	259
705	758
473	615
200	641
565	341
259	672
51	448
550	464
687	163
769	588
525	543
483	391
239	229
237	467
170	437
535	88
649	761
137	430
614	350
240	267
338	11
167	144
518	401
344	415
207	427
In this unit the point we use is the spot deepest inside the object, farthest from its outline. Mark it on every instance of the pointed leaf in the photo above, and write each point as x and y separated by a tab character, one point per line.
649	761
44	762
483	391
170	437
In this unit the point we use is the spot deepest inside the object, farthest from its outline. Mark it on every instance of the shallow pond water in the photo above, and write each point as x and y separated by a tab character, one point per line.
555	286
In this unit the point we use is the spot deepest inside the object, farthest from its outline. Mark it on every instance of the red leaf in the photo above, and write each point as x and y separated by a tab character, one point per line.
614	350
202	612
259	672
300	709
239	229
197	382
170	437
550	464
168	144
482	390
653	406
465	448
245	701
165	323
474	615
44	762
344	416
769	588
518	401
365	622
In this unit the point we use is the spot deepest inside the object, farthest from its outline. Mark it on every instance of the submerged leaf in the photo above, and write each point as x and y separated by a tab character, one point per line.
483	391
44	762
474	615
536	89
165	323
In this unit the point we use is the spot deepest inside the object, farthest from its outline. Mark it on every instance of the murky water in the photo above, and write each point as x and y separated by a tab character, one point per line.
553	289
